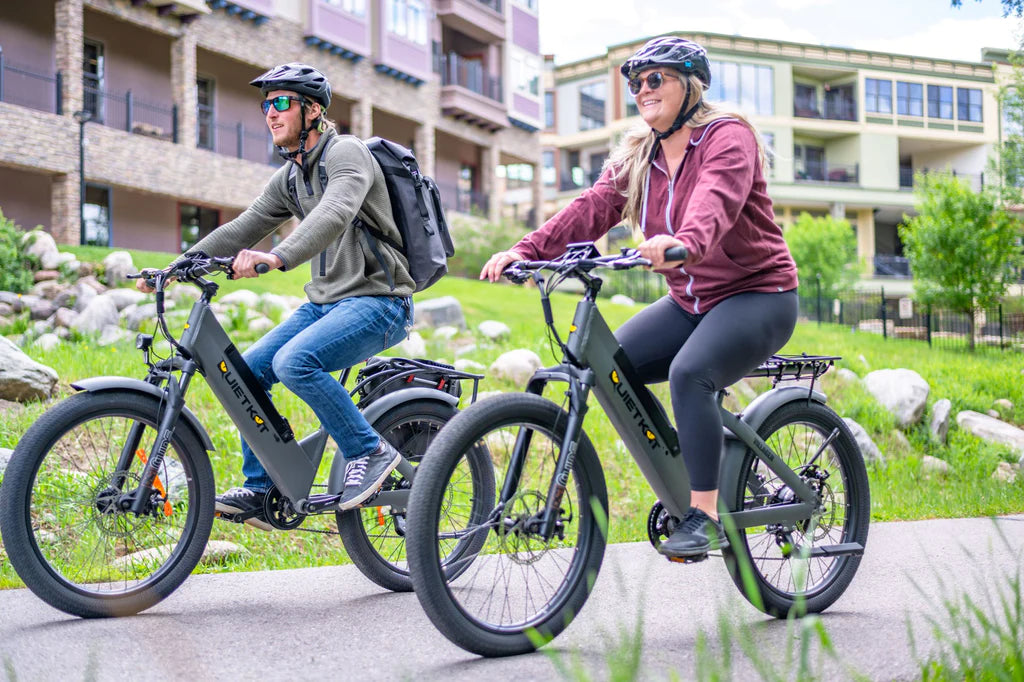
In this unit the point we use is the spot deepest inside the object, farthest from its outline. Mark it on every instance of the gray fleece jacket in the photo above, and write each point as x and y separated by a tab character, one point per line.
355	188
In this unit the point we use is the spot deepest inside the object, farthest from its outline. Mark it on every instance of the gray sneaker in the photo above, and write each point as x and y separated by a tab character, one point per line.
364	476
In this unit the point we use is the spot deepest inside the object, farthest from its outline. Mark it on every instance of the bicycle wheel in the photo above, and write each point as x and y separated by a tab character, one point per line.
518	581
783	580
64	527
374	537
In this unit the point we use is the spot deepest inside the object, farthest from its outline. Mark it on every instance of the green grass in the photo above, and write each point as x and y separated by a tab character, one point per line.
899	490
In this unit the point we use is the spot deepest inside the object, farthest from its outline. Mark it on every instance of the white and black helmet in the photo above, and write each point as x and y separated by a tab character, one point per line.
680	54
299	78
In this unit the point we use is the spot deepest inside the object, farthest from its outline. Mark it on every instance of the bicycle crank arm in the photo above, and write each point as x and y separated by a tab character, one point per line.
316	504
843	549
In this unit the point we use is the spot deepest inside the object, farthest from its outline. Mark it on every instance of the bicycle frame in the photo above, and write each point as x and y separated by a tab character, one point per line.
594	360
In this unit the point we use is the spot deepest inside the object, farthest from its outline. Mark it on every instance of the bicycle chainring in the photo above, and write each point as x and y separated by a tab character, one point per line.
660	525
279	511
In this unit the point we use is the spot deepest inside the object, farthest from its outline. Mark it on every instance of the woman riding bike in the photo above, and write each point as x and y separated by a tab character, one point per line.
691	176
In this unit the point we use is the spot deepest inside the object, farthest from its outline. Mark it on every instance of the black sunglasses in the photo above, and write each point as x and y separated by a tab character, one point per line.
281	103
654	81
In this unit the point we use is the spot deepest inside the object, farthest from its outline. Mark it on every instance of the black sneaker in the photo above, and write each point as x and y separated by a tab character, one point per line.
364	476
244	501
695	535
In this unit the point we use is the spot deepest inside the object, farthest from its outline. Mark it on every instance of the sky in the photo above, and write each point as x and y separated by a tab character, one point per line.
577	29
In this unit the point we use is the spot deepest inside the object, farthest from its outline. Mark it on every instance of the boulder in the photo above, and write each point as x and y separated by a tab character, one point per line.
261	323
934	465
42	245
139	315
436	312
48	289
111	334
939	425
991	429
414	346
846	376
100	312
42	309
464	365
64	317
901	391
21	377
516	365
46	275
118	265
5	457
93	283
216	551
124	297
47	342
867	446
6	309
1004	407
243	297
84	294
445	332
1005	472
493	329
622	299
12	299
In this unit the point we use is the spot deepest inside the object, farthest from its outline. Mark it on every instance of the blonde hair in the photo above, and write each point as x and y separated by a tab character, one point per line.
628	160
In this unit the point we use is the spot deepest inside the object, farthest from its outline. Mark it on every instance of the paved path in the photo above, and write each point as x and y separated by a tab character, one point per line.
299	624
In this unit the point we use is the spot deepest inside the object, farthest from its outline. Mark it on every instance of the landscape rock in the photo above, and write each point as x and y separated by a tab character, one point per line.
465	365
1004	407
243	297
465	349
622	299
261	323
901	441
271	302
22	378
6	309
216	551
939	425
516	365
100	312
42	245
493	329
867	446
12	299
47	342
42	309
84	293
991	429
901	391
1005	472
64	317
45	275
112	334
48	289
5	457
992	413
846	376
934	465
136	316
414	346
93	283
118	265
445	332
437	312
124	297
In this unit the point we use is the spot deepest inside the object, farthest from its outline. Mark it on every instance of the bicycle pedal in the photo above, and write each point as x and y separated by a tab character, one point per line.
687	559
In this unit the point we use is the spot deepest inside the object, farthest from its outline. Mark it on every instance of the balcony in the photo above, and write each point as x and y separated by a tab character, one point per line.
829	173
469	93
234	139
838	104
577	179
131	114
976	181
27	87
889	265
482	20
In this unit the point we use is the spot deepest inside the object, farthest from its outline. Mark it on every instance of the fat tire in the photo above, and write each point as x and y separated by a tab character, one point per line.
16	494
388	574
428	575
775	602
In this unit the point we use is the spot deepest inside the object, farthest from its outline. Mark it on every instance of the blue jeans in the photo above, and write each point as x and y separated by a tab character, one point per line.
316	340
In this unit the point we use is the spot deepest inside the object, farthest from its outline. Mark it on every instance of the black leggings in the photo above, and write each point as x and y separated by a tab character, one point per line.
701	354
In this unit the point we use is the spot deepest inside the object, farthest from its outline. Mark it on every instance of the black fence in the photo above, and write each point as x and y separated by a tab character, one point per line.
234	139
875	312
131	114
29	88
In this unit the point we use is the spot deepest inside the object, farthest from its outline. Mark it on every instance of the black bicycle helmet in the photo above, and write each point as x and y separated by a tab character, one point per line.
675	53
680	54
299	78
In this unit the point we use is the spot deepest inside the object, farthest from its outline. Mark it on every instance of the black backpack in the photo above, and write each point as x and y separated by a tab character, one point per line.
416	207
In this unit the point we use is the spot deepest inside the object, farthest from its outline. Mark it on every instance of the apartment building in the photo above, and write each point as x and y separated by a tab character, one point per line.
131	122
846	129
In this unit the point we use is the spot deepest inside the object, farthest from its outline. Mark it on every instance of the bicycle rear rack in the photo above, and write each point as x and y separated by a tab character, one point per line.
794	368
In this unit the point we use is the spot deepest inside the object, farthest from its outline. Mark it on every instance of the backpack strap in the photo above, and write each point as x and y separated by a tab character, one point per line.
370	234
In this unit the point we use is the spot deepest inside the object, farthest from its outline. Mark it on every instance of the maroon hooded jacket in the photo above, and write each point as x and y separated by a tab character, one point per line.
717	205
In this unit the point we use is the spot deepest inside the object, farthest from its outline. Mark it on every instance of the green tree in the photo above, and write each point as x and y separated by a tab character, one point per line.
825	249
1011	8
16	266
964	249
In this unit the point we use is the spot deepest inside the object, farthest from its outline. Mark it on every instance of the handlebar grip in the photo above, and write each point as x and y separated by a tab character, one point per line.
262	268
676	253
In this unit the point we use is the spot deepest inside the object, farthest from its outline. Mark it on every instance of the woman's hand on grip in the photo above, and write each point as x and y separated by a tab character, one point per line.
498	262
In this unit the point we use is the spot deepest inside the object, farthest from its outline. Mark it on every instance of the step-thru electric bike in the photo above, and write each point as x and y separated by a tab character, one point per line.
108	500
793	487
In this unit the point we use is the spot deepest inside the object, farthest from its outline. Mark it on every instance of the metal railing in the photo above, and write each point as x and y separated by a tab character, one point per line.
29	88
470	74
833	110
493	4
131	114
874	313
907	174
828	172
889	265
234	139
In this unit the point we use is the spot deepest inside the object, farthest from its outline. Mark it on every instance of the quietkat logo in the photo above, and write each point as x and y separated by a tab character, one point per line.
236	388
631	404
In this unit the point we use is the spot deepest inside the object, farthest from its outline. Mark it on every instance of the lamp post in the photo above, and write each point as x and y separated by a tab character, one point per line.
82	117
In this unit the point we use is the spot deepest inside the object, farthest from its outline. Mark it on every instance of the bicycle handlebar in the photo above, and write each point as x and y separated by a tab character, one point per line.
581	261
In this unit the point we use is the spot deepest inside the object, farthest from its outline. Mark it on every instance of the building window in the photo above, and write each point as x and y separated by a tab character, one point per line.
809	162
940	101
549	109
630	108
768	141
968	104
548	173
408	19
749	86
877	96
592	99
196	223
204	113
356	7
92	79
805	101
96	216
909	99
526	73
840	104
528	4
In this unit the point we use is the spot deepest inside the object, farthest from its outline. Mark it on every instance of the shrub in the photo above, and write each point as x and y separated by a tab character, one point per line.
824	249
476	240
16	266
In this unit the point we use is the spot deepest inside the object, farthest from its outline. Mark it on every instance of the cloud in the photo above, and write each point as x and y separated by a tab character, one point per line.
797	5
958	39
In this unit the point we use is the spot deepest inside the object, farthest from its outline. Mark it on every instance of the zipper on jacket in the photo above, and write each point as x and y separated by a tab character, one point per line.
668	225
